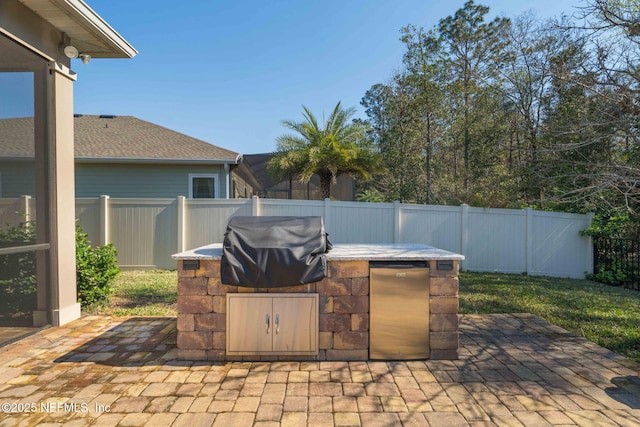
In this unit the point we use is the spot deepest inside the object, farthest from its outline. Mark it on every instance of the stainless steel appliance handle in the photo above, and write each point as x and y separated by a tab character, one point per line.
267	323
277	323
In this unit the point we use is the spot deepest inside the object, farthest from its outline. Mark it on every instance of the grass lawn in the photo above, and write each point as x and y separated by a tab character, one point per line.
142	293
603	314
606	315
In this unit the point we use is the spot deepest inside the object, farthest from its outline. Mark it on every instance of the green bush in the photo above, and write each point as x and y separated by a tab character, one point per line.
96	268
373	196
615	255
17	271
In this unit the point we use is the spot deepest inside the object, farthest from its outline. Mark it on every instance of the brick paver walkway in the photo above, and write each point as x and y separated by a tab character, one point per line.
513	370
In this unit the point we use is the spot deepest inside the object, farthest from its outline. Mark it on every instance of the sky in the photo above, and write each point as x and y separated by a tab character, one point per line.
229	71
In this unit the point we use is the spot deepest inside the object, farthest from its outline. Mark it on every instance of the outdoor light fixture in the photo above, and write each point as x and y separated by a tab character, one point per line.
71	52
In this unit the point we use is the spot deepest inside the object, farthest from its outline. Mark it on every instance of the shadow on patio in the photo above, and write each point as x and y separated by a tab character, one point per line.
626	390
513	369
138	341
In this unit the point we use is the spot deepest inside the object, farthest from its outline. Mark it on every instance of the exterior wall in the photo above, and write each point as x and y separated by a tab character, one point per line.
17	178
344	312
115	180
142	181
241	187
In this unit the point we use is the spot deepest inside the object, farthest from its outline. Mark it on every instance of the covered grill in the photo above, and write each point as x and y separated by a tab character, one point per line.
274	251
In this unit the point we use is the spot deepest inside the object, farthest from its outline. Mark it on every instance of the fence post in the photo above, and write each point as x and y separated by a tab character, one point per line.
528	249
327	214
181	223
464	232
591	267
103	238
255	206
25	209
397	227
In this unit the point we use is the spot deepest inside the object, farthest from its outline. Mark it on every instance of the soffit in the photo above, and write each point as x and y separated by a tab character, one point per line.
88	32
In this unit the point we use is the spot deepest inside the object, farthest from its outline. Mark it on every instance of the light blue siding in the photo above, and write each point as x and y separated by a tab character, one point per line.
142	181
17	179
115	180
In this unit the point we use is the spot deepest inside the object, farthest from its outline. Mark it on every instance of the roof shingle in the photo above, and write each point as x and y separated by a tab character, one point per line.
116	137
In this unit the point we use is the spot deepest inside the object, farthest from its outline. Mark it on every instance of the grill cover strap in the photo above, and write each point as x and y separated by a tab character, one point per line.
273	251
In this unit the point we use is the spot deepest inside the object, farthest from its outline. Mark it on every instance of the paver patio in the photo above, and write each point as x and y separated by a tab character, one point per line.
513	370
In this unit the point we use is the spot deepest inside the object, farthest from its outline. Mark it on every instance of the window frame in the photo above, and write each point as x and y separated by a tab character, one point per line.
215	177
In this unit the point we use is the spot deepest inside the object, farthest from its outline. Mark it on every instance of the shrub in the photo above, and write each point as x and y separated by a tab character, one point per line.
96	268
17	271
372	196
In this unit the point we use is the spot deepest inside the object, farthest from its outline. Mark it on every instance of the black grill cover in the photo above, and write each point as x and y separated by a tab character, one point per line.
273	251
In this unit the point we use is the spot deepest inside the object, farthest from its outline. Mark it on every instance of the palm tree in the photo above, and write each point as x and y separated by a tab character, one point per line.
337	148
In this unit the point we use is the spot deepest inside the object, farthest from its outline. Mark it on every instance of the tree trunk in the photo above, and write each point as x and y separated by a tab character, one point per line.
428	161
325	185
467	143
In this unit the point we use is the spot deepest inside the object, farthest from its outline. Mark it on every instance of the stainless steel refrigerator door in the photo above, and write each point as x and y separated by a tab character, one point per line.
399	313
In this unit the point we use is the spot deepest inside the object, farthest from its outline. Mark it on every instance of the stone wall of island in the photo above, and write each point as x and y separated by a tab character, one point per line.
343	314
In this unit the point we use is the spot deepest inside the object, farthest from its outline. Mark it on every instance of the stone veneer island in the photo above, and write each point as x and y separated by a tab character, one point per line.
342	320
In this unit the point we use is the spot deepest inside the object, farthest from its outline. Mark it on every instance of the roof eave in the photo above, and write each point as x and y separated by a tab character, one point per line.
221	161
94	25
121	47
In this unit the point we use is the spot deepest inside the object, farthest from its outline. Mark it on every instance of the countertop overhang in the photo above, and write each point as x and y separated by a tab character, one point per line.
347	252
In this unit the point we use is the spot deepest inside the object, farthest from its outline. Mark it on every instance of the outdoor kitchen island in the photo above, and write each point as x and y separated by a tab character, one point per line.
337	310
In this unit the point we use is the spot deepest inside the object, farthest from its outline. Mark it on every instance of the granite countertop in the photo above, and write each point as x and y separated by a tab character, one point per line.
347	252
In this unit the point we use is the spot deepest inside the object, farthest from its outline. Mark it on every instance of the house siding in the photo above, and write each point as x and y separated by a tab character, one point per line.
148	181
240	187
115	180
17	179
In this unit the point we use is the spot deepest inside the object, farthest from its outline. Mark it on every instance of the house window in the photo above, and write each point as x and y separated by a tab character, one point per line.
202	186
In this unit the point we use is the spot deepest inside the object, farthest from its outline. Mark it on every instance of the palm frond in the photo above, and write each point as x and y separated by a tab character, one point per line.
336	148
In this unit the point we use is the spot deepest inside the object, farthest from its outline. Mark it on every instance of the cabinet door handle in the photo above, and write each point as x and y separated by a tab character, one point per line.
277	324
267	323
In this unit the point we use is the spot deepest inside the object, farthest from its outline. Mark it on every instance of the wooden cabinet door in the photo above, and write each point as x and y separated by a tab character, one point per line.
295	324
249	324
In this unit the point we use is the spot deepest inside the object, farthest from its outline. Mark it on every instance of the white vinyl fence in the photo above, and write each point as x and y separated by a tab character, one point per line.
147	231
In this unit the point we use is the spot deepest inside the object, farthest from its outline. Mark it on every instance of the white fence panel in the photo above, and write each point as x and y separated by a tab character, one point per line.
437	226
353	222
558	248
8	211
14	212
206	220
144	231
497	240
88	215
279	207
